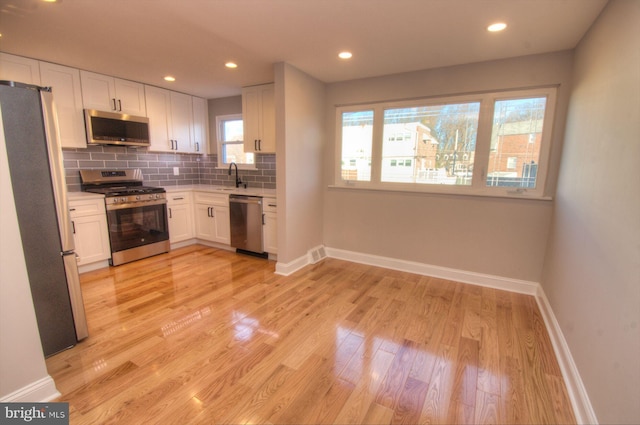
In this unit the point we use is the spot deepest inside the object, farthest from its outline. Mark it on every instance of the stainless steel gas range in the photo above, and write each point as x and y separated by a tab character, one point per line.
136	214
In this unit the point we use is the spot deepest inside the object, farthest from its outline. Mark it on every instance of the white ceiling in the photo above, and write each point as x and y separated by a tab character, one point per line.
143	40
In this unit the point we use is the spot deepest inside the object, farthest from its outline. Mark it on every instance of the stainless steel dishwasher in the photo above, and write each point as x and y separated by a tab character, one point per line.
246	223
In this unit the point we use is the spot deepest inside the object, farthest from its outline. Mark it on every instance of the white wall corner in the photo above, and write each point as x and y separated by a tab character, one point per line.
582	408
314	255
286	269
40	391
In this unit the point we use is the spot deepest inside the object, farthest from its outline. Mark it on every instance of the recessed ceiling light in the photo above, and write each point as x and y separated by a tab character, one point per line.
345	55
170	78
498	26
231	65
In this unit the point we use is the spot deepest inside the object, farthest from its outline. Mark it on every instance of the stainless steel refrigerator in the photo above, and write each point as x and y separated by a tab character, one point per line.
39	188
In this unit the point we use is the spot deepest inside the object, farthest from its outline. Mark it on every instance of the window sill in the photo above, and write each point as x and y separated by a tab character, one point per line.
523	196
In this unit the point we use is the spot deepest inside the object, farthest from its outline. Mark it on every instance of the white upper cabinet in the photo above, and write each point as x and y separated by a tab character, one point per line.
110	94
181	121
200	136
259	118
19	69
67	97
170	120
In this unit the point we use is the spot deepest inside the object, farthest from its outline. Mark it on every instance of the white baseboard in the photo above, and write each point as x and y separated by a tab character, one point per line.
182	244
93	266
42	391
582	407
285	269
491	281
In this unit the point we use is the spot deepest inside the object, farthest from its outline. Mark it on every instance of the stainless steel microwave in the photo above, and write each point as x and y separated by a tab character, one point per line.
110	128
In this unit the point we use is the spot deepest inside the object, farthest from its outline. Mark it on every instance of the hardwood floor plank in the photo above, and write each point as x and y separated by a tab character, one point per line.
396	376
465	378
202	335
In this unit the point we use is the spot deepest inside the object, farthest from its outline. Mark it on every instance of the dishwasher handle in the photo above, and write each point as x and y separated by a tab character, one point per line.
245	199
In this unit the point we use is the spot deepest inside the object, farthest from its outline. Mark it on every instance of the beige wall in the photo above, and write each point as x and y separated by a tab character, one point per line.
592	270
501	237
300	147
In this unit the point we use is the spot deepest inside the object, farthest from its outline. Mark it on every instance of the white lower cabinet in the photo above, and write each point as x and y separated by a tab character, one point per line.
180	210
270	227
204	216
212	217
90	231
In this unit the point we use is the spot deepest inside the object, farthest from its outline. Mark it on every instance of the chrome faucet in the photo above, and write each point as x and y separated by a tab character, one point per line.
238	181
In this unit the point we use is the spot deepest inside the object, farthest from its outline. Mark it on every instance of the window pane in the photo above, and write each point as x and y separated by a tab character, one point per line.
232	131
435	144
234	152
231	145
357	137
515	142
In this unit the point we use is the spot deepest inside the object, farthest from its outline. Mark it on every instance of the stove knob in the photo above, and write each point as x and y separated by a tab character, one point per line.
123	199
137	197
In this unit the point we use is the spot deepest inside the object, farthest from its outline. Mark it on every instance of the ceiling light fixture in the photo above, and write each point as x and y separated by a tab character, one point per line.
345	55
231	65
498	26
170	78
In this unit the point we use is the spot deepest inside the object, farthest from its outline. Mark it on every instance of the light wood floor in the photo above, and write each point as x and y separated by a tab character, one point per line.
203	336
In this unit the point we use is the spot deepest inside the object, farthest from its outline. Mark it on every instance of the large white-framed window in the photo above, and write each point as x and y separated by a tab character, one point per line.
231	142
492	144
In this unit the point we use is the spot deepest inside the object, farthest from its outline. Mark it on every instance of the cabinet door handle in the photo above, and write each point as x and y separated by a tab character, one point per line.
197	147
259	144
73	226
255	144
114	103
263	222
119	105
170	213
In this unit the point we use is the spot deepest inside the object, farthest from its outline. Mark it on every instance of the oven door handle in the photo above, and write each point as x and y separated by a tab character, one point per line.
136	204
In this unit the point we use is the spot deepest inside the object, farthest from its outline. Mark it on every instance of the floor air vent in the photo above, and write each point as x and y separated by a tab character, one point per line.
316	254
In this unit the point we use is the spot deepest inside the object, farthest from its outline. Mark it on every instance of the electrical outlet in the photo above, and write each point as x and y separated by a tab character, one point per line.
176	171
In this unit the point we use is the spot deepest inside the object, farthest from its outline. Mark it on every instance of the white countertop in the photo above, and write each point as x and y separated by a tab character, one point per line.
253	191
77	196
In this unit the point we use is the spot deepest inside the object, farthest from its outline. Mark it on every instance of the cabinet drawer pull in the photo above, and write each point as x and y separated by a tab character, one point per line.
178	199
